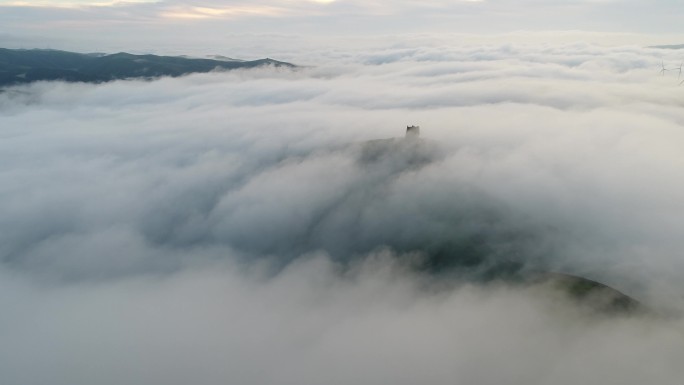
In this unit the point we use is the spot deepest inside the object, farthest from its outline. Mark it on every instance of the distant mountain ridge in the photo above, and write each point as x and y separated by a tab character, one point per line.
672	46
20	66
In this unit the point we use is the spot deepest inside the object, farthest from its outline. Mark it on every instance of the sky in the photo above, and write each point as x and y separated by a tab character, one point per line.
208	26
272	226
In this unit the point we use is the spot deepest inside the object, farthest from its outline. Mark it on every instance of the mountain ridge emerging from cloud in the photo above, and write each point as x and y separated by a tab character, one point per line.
669	46
20	66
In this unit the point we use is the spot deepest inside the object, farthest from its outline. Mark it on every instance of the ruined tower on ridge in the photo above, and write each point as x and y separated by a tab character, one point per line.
412	132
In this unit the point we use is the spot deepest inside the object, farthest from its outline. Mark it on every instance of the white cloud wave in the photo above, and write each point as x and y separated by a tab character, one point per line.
143	221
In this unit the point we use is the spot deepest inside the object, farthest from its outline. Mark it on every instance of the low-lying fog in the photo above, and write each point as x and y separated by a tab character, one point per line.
236	228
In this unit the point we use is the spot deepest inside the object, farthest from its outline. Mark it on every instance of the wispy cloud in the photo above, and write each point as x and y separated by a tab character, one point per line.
179	12
340	17
71	3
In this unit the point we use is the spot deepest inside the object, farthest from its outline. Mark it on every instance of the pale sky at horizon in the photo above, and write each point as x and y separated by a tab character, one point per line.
140	24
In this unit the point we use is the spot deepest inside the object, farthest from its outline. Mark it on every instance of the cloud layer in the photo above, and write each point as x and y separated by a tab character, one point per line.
239	227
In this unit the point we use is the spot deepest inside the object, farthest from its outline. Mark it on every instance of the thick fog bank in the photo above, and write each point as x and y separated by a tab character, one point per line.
247	227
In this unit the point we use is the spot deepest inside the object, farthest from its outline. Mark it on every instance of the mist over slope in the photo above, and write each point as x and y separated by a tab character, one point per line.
245	227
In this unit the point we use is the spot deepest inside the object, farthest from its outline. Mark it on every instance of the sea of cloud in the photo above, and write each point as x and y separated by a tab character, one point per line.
239	227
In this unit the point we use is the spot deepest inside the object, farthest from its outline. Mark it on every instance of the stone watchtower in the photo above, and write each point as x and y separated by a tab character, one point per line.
412	132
